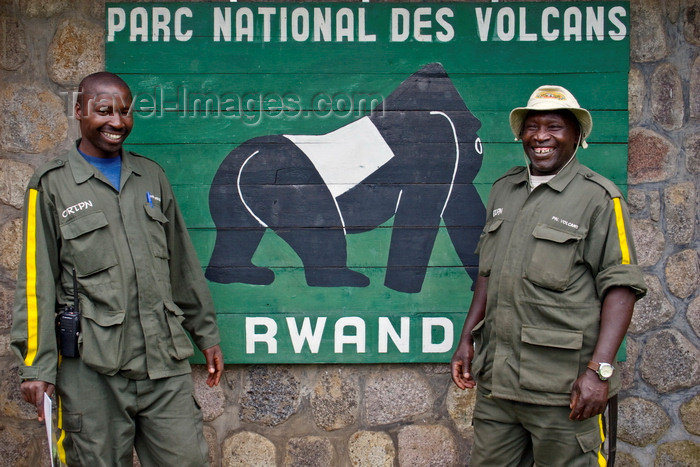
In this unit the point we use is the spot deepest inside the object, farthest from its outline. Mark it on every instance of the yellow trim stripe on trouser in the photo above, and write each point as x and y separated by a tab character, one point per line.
30	260
602	461
62	437
622	234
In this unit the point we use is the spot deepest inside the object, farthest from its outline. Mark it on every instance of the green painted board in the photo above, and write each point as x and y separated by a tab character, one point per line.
394	267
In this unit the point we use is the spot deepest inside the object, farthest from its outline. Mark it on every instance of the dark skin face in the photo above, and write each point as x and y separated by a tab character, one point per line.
104	116
549	139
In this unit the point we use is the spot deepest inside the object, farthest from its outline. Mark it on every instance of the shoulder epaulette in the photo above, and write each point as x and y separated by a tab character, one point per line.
609	186
146	158
512	171
44	169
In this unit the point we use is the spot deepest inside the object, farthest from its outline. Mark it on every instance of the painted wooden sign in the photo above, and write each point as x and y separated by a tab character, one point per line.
333	159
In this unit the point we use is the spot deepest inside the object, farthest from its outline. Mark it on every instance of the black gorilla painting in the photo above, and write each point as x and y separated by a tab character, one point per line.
414	158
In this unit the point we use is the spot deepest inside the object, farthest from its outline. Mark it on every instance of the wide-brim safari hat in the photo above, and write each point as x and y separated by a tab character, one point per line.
549	97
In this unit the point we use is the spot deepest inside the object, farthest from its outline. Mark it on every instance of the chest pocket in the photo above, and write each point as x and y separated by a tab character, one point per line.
487	246
89	243
553	257
156	229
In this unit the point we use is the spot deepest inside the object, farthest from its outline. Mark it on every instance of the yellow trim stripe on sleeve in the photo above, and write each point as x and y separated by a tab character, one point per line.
622	234
30	261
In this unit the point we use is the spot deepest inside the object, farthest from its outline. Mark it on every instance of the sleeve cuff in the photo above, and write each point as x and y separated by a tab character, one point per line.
622	275
27	373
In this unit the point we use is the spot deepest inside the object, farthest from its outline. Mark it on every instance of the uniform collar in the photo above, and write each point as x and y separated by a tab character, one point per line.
559	182
83	170
564	177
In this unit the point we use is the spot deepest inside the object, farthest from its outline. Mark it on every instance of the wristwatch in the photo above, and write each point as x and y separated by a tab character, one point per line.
604	370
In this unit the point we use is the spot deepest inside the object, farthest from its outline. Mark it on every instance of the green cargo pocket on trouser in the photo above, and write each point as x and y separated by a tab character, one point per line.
549	359
72	422
590	440
181	347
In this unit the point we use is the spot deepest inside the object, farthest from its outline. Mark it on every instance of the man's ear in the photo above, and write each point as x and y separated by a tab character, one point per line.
77	110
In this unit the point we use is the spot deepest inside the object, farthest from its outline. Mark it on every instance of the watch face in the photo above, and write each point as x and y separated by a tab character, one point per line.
605	371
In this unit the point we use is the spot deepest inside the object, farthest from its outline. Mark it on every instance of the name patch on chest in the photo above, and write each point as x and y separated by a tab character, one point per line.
565	222
76	207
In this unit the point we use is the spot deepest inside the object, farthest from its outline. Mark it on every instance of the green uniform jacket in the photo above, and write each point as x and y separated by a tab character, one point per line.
139	280
550	255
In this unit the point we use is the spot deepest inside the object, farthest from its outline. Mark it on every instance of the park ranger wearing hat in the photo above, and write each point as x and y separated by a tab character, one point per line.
557	284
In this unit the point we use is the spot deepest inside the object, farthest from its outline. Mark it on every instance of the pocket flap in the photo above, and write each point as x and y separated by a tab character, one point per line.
82	225
494	225
173	308
558	338
590	440
72	422
477	328
545	232
156	214
104	318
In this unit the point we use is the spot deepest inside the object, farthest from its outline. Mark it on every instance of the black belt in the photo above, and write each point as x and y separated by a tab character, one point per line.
612	430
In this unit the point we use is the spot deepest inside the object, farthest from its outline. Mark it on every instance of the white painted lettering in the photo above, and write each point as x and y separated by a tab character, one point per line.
323	26
448	335
524	35
614	16
401	339
179	14
300	24
267	13
306	335
483	22
505	24
345	25
161	24
139	24
244	24
358	339
362	35
448	31
572	24
222	24
400	20
116	22
283	24
420	23
266	337
547	33
595	23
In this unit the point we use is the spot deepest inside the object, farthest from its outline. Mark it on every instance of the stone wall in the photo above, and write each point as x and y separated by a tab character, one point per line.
392	415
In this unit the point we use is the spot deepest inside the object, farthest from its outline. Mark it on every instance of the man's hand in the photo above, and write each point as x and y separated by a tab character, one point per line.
215	364
461	365
462	358
588	397
33	392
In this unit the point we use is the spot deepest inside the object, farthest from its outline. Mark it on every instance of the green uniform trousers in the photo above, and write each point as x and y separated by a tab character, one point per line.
510	434
102	418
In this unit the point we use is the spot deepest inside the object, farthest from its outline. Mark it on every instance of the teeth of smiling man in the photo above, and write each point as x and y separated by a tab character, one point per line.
112	136
543	150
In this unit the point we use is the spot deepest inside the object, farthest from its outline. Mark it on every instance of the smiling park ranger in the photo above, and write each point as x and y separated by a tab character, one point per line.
557	284
105	220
